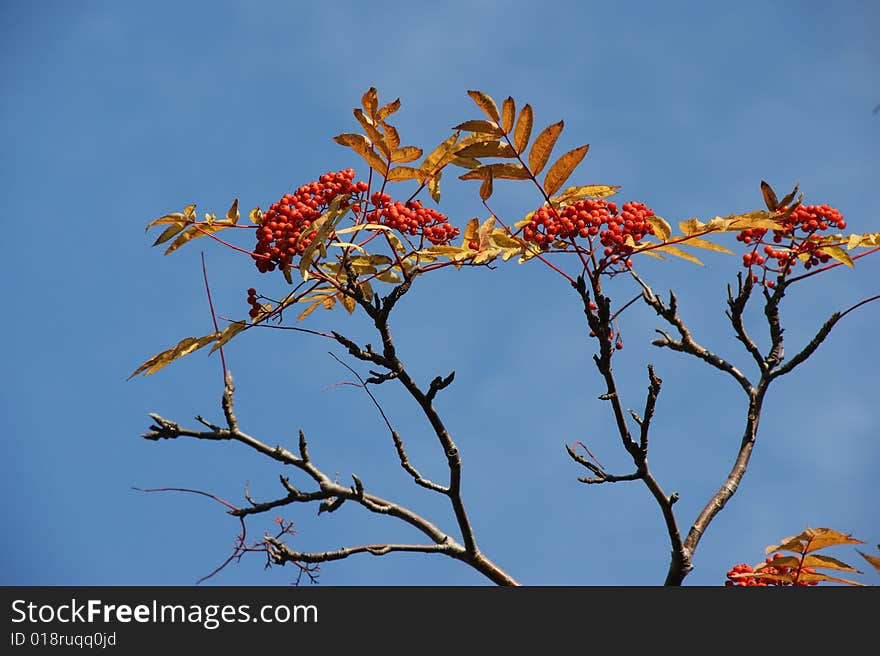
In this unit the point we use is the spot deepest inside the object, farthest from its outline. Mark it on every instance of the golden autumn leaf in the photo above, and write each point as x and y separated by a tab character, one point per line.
392	137
256	215
838	254
480	126
543	146
348	303
508	114
370	102
486	186
499	237
470	231
434	187
399	173
873	560
168	233
388	110
523	131
406	154
563	168
790	196
175	217
706	244
485	102
675	250
813	539
487	149
661	228
432	162
587	191
502	171
372	132
194	231
182	348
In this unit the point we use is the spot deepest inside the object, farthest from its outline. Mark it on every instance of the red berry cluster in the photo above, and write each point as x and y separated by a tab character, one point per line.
750	581
280	229
253	302
412	219
801	226
590	218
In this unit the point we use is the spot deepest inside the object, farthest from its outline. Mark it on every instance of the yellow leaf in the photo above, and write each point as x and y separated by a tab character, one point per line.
392	138
481	126
406	154
325	225
465	162
434	187
674	250
183	347
470	231
486	255
232	215
444	250
168	233
329	302
399	173
708	245
523	128
314	306
348	244
501	171
362	226
499	237
432	161
661	228
194	232
487	149
367	289
563	168
483	233
370	102
485	102
176	217
374	134
508	113
838	254
853	242
543	145
255	215
348	303
389	276
589	191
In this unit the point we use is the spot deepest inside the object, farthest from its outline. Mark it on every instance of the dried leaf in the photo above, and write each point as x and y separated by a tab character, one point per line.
873	560
256	216
770	199
661	228
406	154
182	348
485	102
392	138
176	217
168	233
508	113
486	186
708	245
388	110
589	191
348	303
481	126
194	231
432	162
370	102
501	171
311	308
523	128
674	250
399	173
789	197
487	149
563	168
434	187
543	146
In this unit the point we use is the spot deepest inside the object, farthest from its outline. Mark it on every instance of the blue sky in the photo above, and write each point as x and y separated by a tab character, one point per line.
116	113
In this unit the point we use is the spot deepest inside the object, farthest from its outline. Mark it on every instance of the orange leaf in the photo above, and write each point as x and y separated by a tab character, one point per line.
543	146
563	168
485	102
523	128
